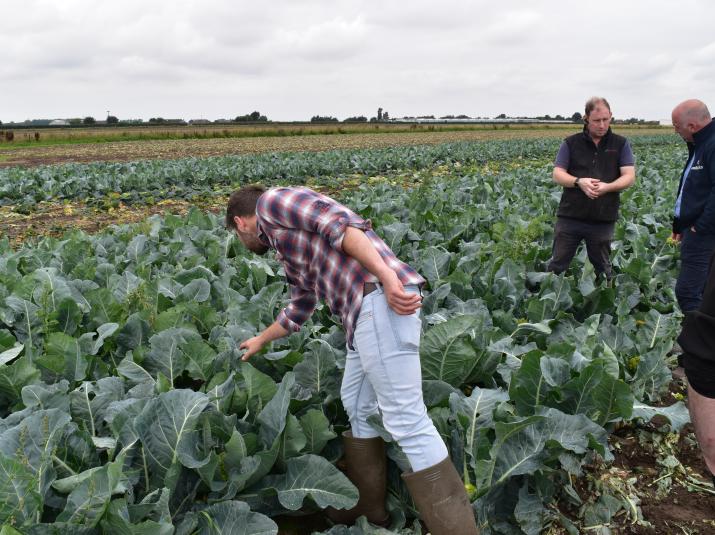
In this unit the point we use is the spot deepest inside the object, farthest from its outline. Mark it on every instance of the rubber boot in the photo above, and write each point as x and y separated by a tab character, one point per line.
365	464
440	497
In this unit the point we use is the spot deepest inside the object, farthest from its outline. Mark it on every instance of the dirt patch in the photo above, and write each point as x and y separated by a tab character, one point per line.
56	219
687	507
174	149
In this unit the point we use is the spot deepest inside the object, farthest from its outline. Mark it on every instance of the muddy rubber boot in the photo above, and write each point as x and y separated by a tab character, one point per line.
438	493
365	464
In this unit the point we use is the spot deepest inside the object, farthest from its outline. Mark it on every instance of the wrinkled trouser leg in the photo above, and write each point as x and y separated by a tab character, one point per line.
384	373
566	241
695	253
598	237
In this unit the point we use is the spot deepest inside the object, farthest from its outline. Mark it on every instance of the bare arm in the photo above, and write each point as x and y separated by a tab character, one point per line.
253	345
358	245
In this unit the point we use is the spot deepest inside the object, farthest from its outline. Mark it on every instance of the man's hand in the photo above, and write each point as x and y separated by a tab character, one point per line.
674	238
398	299
600	188
252	346
590	187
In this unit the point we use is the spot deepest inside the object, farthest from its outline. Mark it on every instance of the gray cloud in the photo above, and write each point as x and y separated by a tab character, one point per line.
292	60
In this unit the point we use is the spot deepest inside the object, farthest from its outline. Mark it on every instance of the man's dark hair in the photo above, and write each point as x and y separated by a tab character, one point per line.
595	101
242	202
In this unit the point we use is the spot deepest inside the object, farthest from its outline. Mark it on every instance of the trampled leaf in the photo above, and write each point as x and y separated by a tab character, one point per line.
572	432
167	429
315	477
234	518
446	351
677	414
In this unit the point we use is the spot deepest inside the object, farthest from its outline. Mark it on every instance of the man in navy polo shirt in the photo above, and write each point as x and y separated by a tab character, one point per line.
694	221
593	167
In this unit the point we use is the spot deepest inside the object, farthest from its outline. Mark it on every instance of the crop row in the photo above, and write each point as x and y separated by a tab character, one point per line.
137	181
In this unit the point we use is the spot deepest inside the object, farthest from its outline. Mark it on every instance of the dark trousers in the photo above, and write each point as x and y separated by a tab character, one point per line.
568	234
695	252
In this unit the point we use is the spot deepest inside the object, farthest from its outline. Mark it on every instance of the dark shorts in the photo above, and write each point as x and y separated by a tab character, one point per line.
701	375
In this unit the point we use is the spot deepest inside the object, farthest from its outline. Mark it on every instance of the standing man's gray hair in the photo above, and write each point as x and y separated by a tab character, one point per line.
694	111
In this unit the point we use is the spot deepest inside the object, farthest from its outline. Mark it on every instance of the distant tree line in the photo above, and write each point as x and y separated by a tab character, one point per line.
256	117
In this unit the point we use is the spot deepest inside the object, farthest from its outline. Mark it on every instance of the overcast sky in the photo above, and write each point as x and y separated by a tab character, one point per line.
291	59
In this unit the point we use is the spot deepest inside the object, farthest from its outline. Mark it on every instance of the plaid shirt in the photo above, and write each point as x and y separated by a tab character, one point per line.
306	229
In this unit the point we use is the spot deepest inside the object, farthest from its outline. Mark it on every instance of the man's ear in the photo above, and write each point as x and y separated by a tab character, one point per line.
240	223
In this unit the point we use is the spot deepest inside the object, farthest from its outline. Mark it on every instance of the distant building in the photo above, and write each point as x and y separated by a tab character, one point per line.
199	121
59	122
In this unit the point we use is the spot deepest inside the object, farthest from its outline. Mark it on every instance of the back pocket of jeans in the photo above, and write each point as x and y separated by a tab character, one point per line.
406	329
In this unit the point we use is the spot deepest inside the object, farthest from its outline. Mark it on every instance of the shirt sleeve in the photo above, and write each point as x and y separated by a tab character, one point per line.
626	158
563	158
301	307
304	209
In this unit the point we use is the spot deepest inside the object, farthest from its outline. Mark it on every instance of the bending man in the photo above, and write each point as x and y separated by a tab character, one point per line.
330	253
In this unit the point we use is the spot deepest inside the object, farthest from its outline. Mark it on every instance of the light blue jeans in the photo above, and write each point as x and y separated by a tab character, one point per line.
383	373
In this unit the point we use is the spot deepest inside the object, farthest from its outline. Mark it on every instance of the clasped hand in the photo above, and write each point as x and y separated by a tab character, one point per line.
593	187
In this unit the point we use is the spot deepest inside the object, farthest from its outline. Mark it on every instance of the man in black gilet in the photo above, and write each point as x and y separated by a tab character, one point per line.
593	167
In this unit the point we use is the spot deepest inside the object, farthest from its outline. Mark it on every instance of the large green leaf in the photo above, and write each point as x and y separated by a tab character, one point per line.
234	518
446	351
316	428
529	388
167	429
318	372
20	498
89	402
166	355
315	477
90	498
475	412
598	395
273	417
518	449
33	441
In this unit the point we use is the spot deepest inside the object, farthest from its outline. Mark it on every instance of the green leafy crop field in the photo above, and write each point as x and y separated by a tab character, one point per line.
125	407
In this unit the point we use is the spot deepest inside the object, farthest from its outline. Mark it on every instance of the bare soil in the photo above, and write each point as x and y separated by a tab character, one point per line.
173	149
